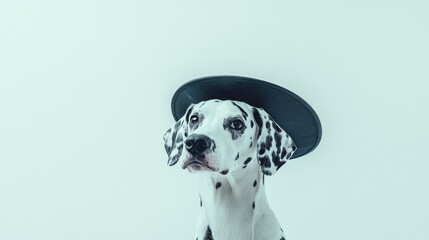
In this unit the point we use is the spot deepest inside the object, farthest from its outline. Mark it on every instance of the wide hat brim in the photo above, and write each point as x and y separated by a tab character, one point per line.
291	112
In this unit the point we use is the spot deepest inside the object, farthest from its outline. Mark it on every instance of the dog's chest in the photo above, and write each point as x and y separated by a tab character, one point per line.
230	209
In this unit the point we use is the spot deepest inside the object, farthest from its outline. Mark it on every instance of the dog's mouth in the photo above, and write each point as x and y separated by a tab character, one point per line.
197	164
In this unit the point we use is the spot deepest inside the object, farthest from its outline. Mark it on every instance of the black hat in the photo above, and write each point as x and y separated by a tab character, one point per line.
289	111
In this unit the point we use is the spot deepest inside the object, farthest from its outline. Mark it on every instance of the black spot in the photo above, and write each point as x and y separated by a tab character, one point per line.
201	201
188	113
281	230
174	159
251	123
262	148
208	235
253	205
278	139
218	184
242	111
173	138
263	180
283	153
244	166
258	119
276	160
224	172
267	172
267	125
167	133
216	100
282	238
251	144
265	162
236	157
268	141
167	149
248	160
276	127
255	183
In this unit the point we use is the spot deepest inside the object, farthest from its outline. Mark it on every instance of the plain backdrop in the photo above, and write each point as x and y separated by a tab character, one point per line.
85	90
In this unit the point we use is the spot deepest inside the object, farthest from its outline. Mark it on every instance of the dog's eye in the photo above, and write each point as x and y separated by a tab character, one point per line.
194	119
236	124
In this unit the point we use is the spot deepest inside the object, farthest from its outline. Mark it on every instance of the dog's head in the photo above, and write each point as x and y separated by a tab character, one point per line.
224	136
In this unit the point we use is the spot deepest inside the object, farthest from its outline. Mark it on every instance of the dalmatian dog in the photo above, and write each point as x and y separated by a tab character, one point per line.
231	145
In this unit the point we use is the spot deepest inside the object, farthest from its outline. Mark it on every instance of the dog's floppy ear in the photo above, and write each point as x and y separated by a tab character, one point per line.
174	137
274	145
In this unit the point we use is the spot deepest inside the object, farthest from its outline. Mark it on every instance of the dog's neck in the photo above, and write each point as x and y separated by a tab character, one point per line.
232	203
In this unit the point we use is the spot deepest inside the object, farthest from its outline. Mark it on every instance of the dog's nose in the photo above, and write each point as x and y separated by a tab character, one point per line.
197	143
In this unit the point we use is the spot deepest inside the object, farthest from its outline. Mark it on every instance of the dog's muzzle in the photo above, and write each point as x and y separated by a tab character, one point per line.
197	144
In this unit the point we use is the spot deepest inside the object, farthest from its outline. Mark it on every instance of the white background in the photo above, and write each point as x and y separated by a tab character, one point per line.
85	89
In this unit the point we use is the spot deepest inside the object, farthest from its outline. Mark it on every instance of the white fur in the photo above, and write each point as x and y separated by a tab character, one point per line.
228	210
